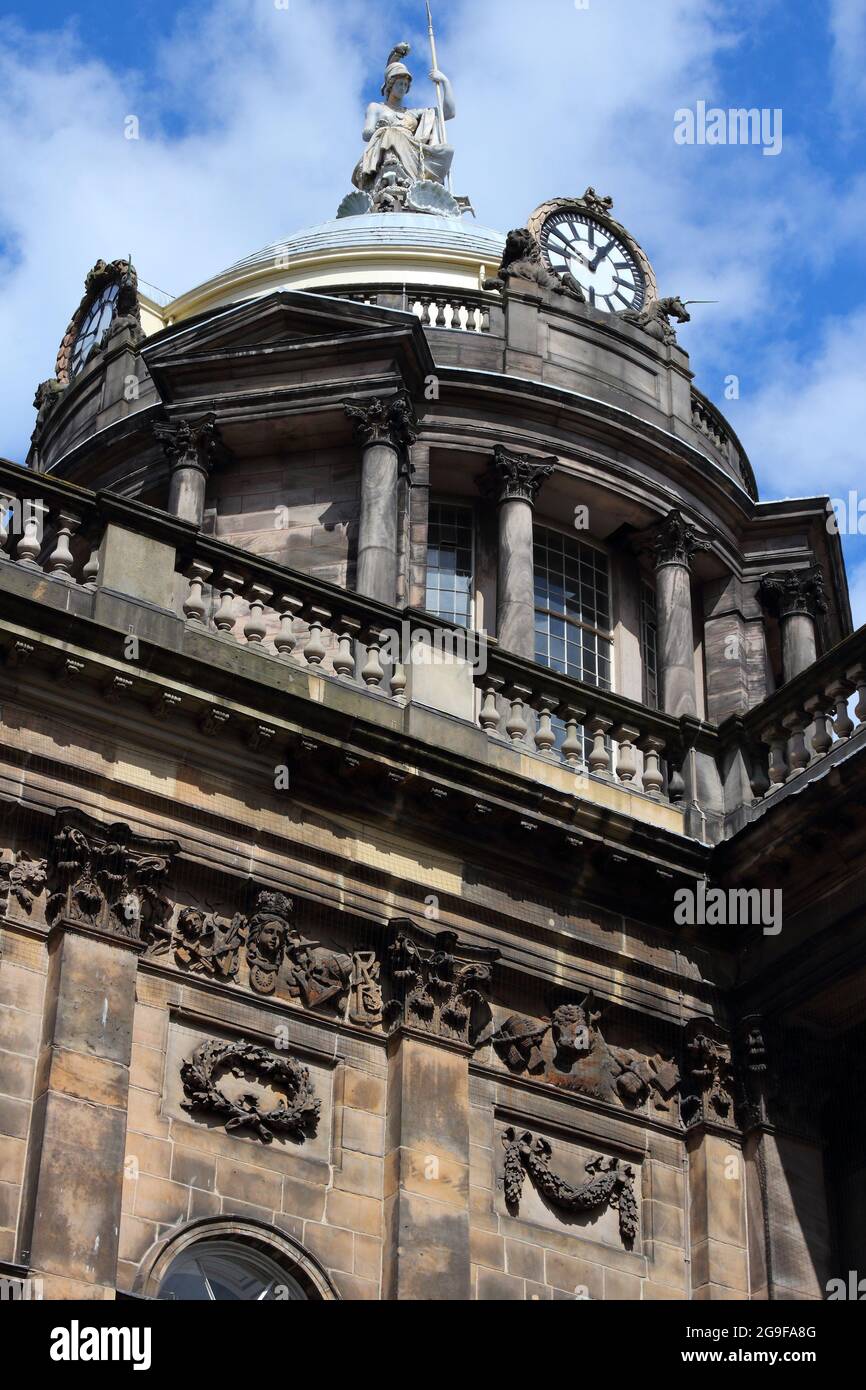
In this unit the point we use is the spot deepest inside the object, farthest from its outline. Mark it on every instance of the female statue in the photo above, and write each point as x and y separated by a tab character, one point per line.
404	146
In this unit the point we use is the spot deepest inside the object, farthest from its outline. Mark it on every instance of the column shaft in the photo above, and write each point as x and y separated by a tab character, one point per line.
516	606
377	535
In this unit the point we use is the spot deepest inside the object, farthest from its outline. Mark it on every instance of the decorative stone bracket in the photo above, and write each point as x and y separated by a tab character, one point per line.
610	1183
110	880
441	986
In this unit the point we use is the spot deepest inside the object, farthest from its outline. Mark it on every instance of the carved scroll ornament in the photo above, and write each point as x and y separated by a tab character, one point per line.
610	1183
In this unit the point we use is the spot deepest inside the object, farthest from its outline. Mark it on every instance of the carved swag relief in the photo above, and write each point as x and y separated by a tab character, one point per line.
568	1050
610	1182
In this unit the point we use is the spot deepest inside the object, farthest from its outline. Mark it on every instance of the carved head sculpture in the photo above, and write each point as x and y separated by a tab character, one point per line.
520	245
674	307
398	80
572	1026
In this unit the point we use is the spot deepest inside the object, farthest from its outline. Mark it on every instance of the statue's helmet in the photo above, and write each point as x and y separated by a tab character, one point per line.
392	72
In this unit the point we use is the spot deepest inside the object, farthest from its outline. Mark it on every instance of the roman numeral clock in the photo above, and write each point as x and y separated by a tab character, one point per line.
578	237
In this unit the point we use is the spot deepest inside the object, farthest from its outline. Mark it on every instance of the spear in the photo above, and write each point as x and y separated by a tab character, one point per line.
440	98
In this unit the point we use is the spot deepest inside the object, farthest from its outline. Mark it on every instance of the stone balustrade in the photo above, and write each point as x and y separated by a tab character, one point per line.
710	422
809	720
49	526
461	312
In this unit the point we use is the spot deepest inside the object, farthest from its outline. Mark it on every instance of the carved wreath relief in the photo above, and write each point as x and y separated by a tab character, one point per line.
610	1182
295	1113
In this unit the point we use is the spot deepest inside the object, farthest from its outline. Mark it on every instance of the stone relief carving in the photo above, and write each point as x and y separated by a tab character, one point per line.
568	1050
610	1181
441	985
111	879
521	260
204	1075
710	1081
209	945
21	878
655	319
267	934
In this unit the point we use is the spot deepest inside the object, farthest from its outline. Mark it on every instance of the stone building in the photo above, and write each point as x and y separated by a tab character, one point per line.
411	715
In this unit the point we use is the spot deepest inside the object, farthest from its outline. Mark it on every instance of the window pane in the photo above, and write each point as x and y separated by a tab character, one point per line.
572	595
449	563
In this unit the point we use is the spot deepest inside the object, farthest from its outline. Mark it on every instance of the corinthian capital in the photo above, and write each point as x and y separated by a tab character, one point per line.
794	591
515	477
674	541
192	444
389	422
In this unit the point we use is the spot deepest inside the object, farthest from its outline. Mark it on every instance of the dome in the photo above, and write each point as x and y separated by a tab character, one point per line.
354	252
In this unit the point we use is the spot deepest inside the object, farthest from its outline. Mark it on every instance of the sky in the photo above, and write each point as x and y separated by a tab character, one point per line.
249	115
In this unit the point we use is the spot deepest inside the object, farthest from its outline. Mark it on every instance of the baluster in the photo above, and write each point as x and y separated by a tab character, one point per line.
545	738
29	547
776	739
839	692
286	639
61	560
255	627
599	758
857	677
194	608
489	717
90	572
399	681
373	673
7	511
517	726
315	651
227	588
822	738
572	747
344	657
798	753
484	325
652	748
625	738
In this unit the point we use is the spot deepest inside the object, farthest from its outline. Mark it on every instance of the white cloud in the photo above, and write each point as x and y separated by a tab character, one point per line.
805	417
848	28
857	586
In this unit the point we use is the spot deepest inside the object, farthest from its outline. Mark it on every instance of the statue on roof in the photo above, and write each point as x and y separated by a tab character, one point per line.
406	166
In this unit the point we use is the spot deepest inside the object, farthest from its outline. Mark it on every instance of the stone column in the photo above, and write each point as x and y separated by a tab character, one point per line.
75	1161
440	986
674	542
513	481
191	450
385	430
796	597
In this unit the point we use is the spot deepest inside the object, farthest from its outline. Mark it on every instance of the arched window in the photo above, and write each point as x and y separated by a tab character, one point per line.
222	1259
220	1271
572	608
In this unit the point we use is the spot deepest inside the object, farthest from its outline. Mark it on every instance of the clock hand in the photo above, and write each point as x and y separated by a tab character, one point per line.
601	256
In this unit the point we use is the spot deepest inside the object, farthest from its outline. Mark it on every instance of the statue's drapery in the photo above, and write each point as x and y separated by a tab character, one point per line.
409	139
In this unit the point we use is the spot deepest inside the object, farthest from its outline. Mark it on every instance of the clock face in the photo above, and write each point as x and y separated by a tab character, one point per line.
96	319
601	262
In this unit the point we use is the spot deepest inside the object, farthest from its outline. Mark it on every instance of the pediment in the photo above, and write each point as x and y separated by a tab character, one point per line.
284	339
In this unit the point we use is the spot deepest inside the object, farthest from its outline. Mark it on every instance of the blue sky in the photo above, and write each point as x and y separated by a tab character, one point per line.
250	114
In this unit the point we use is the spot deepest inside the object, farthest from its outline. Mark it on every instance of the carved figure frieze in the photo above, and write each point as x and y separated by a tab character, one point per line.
111	879
204	1077
610	1182
568	1050
441	986
207	944
21	878
267	935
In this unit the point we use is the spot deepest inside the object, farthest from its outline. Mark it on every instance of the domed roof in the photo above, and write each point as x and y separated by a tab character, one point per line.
383	230
354	253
